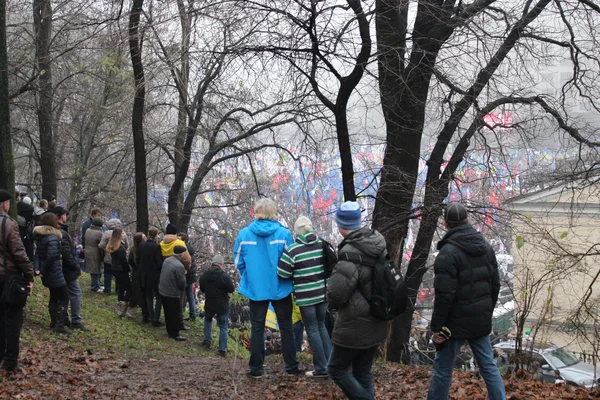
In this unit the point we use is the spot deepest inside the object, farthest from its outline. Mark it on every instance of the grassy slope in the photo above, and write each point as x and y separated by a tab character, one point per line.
111	334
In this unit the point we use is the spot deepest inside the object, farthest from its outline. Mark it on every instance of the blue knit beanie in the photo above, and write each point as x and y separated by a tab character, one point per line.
348	216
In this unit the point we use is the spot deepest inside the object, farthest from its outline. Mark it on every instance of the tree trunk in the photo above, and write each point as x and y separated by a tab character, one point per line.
341	126
7	177
137	117
42	23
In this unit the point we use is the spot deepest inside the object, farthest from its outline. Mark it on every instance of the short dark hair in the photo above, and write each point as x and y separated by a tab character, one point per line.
43	202
49	218
183	236
452	225
153	232
96	211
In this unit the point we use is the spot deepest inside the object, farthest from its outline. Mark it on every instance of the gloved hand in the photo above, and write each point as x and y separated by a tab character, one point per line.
440	338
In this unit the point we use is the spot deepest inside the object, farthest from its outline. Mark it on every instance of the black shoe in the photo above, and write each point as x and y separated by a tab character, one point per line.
179	339
295	372
254	375
206	344
156	324
80	327
222	353
13	369
62	329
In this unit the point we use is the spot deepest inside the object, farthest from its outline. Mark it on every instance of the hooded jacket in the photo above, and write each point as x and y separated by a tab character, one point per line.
111	225
256	252
47	257
216	285
16	261
71	269
303	261
93	256
466	284
348	289
167	245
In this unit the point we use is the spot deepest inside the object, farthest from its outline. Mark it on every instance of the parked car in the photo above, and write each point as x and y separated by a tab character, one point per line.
552	358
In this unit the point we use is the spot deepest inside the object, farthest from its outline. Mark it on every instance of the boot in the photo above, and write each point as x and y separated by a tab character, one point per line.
52	309
124	313
61	316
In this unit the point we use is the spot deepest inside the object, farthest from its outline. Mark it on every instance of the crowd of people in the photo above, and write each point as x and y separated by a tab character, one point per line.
277	269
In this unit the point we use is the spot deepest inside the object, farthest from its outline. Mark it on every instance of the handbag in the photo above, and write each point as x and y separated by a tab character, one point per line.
16	288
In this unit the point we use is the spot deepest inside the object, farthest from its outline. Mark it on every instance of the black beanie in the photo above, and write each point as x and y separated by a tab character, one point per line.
171	229
179	250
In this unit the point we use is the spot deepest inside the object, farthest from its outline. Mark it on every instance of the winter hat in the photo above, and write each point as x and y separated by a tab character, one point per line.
179	250
58	210
114	223
218	259
348	215
4	196
302	226
97	222
26	200
455	212
171	229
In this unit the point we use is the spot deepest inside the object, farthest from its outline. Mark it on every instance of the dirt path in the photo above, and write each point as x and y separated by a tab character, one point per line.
54	371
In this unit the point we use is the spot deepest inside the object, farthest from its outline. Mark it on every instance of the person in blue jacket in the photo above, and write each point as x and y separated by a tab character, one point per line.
256	252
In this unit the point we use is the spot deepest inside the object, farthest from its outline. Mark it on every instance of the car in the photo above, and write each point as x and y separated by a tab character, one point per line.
553	358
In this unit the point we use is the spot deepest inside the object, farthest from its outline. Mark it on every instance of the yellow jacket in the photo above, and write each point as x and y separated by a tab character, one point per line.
167	247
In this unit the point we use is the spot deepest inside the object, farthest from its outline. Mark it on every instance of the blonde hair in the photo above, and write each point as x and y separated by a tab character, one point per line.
114	242
302	226
265	209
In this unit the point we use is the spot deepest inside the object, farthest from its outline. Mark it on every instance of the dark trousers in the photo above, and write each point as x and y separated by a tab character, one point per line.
350	369
59	296
107	278
153	309
123	286
11	321
173	315
258	317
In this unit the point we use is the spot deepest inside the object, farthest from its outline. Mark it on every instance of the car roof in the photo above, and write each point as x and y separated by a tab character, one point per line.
538	347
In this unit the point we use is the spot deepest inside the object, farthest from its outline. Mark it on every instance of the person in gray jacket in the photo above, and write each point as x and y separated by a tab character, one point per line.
171	286
356	333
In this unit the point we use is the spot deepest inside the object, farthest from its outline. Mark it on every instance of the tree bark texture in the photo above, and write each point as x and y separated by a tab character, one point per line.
137	117
7	175
42	24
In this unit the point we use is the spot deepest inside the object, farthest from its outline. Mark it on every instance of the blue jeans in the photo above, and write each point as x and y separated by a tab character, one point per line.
75	301
358	383
258	316
298	328
443	366
223	322
316	333
95	282
189	292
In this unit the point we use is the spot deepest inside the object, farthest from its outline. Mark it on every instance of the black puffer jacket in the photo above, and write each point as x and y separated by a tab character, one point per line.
71	269
216	284
466	284
47	258
119	260
347	288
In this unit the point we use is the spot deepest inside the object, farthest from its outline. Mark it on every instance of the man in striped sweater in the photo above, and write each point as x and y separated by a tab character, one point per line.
302	261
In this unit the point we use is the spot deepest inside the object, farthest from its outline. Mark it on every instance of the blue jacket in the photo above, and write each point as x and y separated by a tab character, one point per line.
256	252
47	257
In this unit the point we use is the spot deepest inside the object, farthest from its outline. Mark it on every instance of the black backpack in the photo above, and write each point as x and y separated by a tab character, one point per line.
389	294
329	258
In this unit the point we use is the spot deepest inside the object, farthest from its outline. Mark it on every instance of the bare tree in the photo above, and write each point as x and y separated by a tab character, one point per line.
137	116
42	22
7	177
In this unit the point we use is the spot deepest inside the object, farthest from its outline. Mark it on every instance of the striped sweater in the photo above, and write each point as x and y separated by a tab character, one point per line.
303	262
